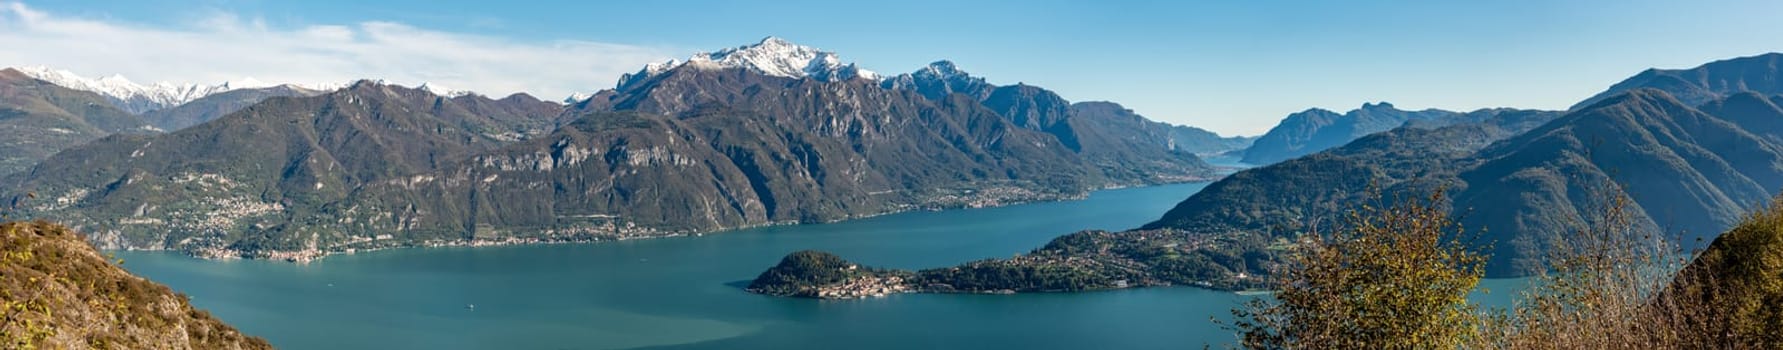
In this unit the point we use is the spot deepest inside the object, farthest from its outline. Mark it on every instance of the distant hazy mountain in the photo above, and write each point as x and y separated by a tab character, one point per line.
38	119
136	98
1316	129
1039	109
216	105
1117	142
1707	82
1202	141
258	177
1292	192
1140	132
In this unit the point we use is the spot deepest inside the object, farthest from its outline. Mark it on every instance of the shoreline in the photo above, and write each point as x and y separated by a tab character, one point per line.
308	256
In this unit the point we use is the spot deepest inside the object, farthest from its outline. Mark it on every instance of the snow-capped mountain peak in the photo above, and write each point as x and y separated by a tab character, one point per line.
133	97
247	83
436	89
772	56
942	69
576	97
939	79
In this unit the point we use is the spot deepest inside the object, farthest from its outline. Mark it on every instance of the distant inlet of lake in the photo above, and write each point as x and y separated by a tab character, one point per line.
685	292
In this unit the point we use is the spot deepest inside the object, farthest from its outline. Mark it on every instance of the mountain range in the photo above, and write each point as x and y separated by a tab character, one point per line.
775	133
216	105
50	110
772	56
137	98
282	159
754	135
38	119
1692	170
1317	129
1039	109
1708	82
1522	180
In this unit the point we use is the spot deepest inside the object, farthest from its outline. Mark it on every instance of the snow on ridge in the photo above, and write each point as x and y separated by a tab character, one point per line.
942	69
139	98
436	89
772	56
576	97
939	77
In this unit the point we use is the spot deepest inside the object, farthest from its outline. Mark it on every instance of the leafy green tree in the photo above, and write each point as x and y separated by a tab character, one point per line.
1389	278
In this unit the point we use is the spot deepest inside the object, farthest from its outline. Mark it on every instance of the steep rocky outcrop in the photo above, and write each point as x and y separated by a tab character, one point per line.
59	293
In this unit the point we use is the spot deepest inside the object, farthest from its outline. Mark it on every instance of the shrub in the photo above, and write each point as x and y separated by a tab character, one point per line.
1393	278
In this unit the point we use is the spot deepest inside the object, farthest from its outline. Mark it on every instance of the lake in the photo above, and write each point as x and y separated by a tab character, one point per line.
685	292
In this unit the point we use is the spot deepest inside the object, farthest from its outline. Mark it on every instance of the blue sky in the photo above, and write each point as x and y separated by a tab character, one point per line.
1235	67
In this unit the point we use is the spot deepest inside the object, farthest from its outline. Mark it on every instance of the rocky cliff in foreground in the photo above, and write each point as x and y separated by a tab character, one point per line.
59	293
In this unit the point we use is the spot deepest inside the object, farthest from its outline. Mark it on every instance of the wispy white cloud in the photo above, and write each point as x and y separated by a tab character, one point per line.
223	47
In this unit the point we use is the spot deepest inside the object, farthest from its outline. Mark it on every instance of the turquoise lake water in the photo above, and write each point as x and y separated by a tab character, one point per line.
685	292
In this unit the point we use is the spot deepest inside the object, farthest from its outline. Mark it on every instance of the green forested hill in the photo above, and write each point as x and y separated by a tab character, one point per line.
258	177
1689	171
